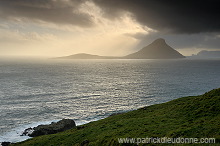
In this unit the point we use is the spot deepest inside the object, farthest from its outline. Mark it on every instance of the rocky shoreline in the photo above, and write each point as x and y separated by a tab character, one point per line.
52	128
5	143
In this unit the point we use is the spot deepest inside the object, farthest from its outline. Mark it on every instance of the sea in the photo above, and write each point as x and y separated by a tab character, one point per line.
41	91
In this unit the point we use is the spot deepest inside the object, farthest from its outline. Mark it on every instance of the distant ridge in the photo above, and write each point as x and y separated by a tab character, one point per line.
158	49
87	56
207	55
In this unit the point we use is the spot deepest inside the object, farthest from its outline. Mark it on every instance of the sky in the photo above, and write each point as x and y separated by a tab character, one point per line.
52	28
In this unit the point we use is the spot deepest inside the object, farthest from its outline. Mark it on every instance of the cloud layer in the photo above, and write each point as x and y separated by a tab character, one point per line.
169	16
66	27
53	11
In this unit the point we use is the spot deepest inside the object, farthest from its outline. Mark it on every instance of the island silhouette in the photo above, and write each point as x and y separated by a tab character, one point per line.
158	49
206	55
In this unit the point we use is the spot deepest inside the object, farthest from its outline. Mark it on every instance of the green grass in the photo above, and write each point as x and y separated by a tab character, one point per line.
195	116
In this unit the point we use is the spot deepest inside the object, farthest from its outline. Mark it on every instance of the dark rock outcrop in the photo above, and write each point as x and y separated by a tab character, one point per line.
5	143
52	128
27	132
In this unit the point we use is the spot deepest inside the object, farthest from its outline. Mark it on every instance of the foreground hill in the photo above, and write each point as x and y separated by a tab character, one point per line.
156	50
191	117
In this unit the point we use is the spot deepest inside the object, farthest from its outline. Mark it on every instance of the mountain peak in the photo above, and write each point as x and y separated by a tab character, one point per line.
158	49
159	40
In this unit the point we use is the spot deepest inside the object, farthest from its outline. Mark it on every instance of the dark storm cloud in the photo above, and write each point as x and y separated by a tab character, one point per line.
55	11
173	16
179	41
170	16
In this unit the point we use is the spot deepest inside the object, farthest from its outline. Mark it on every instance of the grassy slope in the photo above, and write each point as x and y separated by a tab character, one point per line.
197	116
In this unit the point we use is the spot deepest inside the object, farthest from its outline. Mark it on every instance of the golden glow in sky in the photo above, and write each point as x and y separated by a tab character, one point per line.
106	37
53	28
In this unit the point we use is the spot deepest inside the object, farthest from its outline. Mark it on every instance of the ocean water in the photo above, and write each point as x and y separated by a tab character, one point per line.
33	93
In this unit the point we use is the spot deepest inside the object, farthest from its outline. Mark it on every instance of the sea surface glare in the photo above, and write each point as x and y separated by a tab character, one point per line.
85	90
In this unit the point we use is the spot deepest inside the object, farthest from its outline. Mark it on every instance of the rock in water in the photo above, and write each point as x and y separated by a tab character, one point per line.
27	132
52	128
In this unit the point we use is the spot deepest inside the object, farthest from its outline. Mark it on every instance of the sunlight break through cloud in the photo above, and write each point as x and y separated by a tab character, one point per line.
106	37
